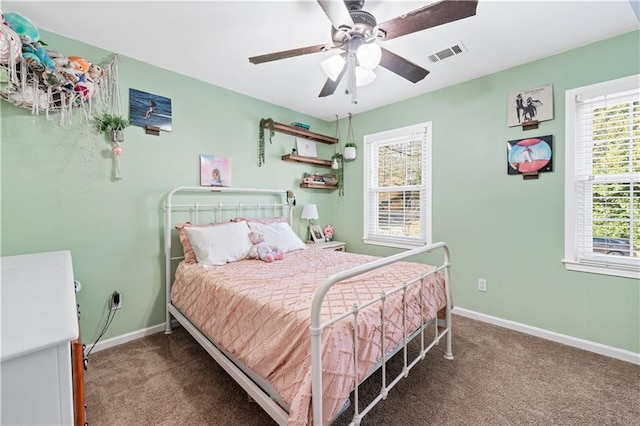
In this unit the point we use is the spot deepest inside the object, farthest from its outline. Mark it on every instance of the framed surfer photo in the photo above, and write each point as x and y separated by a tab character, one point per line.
149	110
530	155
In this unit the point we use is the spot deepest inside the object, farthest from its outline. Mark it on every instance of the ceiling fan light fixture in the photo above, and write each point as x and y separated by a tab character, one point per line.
332	66
369	55
364	76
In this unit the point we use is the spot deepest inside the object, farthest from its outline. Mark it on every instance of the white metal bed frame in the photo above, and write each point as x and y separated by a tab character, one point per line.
442	328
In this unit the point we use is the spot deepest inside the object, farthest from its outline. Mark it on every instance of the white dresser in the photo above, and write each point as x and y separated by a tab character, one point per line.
39	321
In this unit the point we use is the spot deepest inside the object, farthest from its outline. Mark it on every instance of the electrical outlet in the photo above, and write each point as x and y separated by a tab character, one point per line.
116	301
482	284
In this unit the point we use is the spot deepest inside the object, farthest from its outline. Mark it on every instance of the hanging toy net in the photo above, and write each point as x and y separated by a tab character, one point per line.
48	82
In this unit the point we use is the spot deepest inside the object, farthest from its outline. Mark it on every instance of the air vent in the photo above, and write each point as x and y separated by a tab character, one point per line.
448	52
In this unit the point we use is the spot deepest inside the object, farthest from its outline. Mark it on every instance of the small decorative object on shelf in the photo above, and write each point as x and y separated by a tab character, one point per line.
318	178
302	125
306	148
330	179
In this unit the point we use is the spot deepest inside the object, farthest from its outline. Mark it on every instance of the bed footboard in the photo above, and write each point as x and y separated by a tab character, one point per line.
317	327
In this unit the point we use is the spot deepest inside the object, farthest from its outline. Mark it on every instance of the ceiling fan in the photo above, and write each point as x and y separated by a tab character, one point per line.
356	33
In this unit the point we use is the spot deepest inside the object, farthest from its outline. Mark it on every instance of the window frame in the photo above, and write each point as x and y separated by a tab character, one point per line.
573	259
372	140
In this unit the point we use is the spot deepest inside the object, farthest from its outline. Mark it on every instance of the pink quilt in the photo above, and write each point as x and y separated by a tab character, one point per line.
260	312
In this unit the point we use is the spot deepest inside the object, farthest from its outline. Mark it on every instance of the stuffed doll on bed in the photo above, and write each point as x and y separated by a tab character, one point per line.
263	251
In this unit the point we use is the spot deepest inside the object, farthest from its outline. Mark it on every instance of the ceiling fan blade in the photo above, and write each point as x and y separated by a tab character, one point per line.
404	68
330	86
337	13
429	16
291	53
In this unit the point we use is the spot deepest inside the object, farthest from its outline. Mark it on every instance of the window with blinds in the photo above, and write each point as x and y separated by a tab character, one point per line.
397	204
602	217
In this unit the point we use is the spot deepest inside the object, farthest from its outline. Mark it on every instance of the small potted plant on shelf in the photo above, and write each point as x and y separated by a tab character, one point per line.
350	152
112	125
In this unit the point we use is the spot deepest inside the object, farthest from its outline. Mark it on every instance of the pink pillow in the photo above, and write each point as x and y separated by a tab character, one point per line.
266	221
189	254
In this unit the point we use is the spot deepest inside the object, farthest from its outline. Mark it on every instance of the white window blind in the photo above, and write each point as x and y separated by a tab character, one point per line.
398	187
603	178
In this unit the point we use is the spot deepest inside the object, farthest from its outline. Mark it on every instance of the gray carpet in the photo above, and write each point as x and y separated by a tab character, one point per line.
498	377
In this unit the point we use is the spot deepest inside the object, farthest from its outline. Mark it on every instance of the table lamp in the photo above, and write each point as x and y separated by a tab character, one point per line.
309	212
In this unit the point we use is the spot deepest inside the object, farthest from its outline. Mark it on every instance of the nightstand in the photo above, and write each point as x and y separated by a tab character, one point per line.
330	245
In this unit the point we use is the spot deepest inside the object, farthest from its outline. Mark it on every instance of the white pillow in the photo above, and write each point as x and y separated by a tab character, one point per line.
217	245
279	235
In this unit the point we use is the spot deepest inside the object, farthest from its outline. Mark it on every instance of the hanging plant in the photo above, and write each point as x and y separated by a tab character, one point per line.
350	152
112	125
339	160
265	122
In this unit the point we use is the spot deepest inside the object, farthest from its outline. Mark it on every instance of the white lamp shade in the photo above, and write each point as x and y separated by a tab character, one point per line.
369	56
364	76
332	66
309	211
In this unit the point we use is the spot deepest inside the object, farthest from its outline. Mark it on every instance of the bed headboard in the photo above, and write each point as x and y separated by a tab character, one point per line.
202	204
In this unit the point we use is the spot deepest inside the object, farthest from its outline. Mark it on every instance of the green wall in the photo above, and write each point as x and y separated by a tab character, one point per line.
57	192
499	227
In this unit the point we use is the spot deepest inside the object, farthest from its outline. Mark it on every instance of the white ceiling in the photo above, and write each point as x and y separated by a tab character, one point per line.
212	41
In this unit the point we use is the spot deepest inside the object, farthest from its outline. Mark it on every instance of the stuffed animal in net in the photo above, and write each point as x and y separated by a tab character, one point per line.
263	251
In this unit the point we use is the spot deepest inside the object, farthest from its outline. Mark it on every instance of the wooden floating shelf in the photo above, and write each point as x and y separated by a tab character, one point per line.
302	132
308	160
319	186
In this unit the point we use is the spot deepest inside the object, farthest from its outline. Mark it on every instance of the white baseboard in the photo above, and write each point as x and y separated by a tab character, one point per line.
124	338
587	345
